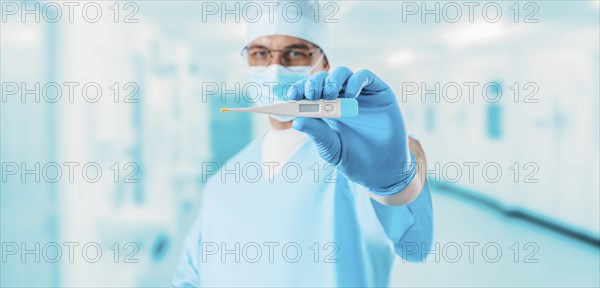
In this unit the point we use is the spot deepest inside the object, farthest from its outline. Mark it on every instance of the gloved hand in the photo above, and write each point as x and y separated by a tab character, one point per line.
370	149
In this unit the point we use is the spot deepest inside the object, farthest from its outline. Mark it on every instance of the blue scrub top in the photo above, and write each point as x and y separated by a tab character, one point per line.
301	229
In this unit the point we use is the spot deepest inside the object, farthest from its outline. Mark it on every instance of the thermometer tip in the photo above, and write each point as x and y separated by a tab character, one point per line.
224	109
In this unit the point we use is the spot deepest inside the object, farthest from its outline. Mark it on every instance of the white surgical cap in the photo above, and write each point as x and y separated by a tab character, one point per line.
292	18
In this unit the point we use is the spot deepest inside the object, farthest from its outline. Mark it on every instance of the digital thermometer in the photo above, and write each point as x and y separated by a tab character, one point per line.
338	108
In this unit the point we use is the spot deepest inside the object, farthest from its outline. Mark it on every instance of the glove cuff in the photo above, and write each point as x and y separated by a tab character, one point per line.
408	174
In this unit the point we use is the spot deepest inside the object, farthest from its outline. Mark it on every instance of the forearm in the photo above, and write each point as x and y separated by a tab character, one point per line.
411	192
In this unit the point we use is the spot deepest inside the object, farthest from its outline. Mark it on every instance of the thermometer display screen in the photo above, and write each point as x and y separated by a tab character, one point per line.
309	107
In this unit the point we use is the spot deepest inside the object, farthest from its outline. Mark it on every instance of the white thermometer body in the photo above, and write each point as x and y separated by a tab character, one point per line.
338	108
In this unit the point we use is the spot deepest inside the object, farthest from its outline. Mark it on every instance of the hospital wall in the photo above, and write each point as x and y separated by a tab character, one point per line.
170	127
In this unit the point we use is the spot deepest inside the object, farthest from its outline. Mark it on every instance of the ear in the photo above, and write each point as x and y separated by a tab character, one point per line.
326	64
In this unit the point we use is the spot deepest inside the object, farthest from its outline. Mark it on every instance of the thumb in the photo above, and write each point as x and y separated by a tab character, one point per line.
327	140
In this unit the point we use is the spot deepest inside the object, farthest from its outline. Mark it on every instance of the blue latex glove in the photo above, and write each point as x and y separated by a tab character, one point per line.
370	149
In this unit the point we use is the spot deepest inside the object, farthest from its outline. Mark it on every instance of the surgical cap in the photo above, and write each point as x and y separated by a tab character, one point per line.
292	18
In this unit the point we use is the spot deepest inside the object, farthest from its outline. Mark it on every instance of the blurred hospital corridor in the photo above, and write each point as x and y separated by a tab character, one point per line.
553	259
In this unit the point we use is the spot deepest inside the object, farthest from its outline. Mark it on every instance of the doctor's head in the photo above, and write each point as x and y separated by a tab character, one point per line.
285	44
290	34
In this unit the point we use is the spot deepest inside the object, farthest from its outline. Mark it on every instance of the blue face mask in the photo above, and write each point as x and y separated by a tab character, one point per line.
274	83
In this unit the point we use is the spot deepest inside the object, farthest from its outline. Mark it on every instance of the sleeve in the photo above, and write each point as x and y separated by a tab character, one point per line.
186	273
409	227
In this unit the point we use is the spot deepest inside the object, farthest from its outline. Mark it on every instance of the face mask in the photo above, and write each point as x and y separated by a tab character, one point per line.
274	83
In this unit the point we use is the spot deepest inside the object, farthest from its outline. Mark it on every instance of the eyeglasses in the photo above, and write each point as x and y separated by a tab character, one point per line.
288	57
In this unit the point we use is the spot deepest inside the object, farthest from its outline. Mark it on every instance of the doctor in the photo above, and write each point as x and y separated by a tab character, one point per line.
342	198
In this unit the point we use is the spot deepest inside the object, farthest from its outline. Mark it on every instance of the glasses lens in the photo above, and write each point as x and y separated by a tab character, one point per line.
258	56
296	57
289	57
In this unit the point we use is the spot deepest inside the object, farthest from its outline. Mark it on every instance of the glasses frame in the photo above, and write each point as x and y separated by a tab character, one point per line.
311	53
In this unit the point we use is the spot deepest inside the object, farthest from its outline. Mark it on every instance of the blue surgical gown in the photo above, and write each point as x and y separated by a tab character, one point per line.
298	229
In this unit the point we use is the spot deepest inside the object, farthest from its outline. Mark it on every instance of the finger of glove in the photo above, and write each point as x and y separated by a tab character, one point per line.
296	90
335	81
313	87
363	80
